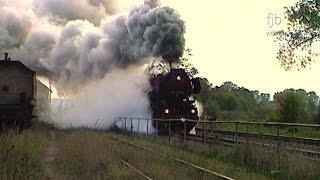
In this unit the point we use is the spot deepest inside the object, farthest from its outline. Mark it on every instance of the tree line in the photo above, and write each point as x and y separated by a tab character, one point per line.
232	102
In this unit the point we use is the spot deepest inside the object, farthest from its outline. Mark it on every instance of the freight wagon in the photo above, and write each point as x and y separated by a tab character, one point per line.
22	96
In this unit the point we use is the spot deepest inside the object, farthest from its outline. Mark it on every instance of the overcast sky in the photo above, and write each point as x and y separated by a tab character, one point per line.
230	42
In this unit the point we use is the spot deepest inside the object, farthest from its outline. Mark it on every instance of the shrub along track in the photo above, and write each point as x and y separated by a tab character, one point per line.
217	175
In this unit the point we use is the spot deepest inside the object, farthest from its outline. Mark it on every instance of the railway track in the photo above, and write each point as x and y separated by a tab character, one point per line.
305	141
307	146
136	170
220	176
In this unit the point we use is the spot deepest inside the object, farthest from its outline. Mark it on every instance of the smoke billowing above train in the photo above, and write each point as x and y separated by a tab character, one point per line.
91	49
77	41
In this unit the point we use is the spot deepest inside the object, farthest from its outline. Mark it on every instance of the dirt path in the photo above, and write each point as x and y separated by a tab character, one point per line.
50	156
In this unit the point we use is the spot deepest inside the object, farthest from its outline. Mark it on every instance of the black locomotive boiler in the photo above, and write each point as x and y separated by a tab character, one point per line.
171	98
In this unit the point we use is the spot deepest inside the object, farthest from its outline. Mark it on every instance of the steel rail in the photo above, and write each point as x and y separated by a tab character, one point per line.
301	140
232	142
135	169
175	159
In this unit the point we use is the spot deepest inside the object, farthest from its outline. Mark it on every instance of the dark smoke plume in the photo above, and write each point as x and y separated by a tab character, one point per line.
63	39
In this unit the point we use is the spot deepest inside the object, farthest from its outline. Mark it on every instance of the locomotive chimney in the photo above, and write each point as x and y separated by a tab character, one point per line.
6	56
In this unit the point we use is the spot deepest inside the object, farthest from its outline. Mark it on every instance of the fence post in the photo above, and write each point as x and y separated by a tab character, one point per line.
125	124
157	125
184	131
203	133
260	132
206	133
148	126
247	133
278	140
131	125
169	130
139	125
236	133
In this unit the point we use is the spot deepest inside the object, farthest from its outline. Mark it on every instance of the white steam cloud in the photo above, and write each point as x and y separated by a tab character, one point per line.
121	93
79	44
63	11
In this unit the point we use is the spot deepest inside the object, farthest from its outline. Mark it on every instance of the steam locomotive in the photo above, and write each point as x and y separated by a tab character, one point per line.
171	98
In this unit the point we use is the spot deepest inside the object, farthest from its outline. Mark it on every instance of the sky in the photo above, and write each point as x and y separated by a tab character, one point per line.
230	42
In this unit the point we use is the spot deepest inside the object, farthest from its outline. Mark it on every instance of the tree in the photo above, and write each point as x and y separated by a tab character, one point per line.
313	106
317	118
291	106
185	64
313	101
303	31
205	92
229	86
211	108
264	98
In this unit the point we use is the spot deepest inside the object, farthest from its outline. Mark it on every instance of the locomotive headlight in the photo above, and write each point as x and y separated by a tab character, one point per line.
178	78
166	111
193	111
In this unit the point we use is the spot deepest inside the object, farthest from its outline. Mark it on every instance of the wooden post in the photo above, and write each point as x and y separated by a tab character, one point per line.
260	132
157	125
131	125
247	133
148	126
139	125
125	124
204	133
184	131
236	133
278	136
169	130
